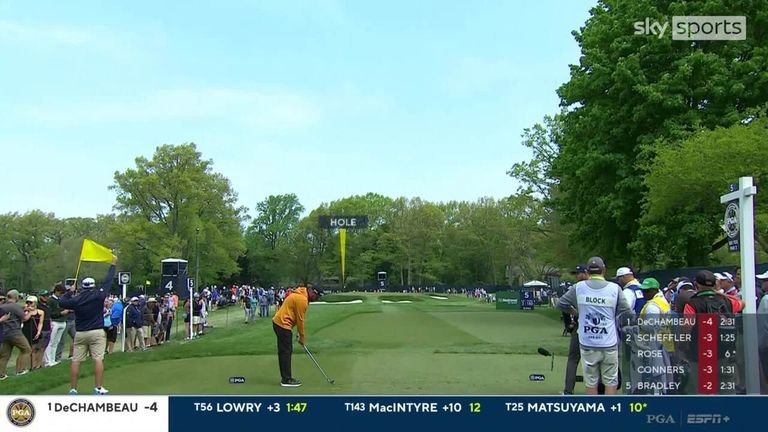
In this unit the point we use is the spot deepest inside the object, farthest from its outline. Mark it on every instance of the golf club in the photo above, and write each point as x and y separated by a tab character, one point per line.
546	353
330	381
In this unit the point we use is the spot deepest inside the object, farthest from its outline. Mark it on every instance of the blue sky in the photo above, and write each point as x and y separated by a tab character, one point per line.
324	98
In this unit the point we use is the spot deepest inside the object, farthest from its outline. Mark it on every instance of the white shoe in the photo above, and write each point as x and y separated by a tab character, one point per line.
100	391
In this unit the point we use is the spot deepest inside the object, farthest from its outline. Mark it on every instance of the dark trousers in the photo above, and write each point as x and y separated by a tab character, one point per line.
284	350
574	357
168	327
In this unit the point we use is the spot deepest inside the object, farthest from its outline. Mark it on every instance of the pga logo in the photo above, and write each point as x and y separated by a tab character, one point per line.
659	419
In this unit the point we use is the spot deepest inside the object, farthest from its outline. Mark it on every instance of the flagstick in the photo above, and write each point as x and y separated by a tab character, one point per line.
77	273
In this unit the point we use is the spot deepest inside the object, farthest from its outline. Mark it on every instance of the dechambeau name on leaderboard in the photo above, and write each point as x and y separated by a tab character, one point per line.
93	407
556	407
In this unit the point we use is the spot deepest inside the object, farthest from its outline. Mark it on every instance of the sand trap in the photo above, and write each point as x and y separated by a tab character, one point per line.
439	298
342	302
399	301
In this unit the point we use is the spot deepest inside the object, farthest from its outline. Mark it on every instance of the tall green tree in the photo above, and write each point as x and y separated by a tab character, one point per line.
164	201
629	91
683	215
29	240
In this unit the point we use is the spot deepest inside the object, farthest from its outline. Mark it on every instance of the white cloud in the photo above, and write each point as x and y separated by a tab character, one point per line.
270	109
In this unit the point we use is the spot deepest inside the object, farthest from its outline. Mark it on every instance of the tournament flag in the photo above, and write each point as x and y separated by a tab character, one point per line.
95	252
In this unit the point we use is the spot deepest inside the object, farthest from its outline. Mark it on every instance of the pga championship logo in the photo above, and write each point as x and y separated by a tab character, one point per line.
594	324
20	412
731	220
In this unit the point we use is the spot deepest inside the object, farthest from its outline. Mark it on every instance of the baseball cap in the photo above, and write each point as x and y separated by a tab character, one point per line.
649	283
152	299
134	299
595	263
719	276
579	269
623	271
684	282
705	278
31	299
88	283
43	293
763	275
728	276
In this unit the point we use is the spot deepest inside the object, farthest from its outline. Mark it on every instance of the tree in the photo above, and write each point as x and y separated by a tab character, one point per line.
630	91
29	240
162	203
683	214
276	216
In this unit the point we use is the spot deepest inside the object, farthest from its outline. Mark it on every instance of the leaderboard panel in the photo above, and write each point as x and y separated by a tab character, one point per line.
683	355
463	413
385	413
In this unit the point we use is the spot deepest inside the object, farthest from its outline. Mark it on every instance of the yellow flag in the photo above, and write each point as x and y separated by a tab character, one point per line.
343	239
95	252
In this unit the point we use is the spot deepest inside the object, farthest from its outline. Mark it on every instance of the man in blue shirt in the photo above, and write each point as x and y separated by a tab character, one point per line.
116	316
88	305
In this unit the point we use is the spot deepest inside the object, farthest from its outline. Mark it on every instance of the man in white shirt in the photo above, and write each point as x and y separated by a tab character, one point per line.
632	290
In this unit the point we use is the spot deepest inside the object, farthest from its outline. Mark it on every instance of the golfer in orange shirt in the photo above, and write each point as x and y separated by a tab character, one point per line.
291	314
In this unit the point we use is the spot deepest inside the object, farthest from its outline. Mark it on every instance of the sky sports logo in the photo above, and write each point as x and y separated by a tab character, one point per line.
690	28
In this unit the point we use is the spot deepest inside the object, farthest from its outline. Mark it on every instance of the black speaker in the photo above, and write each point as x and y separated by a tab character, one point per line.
174	277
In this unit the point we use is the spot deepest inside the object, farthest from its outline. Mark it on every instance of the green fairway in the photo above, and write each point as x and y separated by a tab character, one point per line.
429	346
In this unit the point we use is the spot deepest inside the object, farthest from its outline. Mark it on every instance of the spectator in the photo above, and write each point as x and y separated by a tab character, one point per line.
600	307
69	330
110	329
197	315
116	317
633	291
170	313
706	299
89	323
133	328
36	334
574	350
58	325
263	304
656	307
685	291
12	316
148	322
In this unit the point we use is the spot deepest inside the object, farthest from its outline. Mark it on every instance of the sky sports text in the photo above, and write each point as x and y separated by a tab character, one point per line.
690	28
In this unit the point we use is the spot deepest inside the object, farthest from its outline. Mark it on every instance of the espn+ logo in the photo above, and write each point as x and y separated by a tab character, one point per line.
691	419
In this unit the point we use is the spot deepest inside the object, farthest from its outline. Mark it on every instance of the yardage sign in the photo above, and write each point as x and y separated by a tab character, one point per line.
350	222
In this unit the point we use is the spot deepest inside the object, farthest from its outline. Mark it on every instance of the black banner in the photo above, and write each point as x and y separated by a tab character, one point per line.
349	222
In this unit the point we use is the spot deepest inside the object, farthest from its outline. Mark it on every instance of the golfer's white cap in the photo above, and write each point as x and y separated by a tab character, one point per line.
623	271
88	283
762	275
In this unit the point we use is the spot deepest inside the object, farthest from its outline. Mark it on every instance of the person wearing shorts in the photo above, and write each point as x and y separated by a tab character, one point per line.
90	338
601	307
